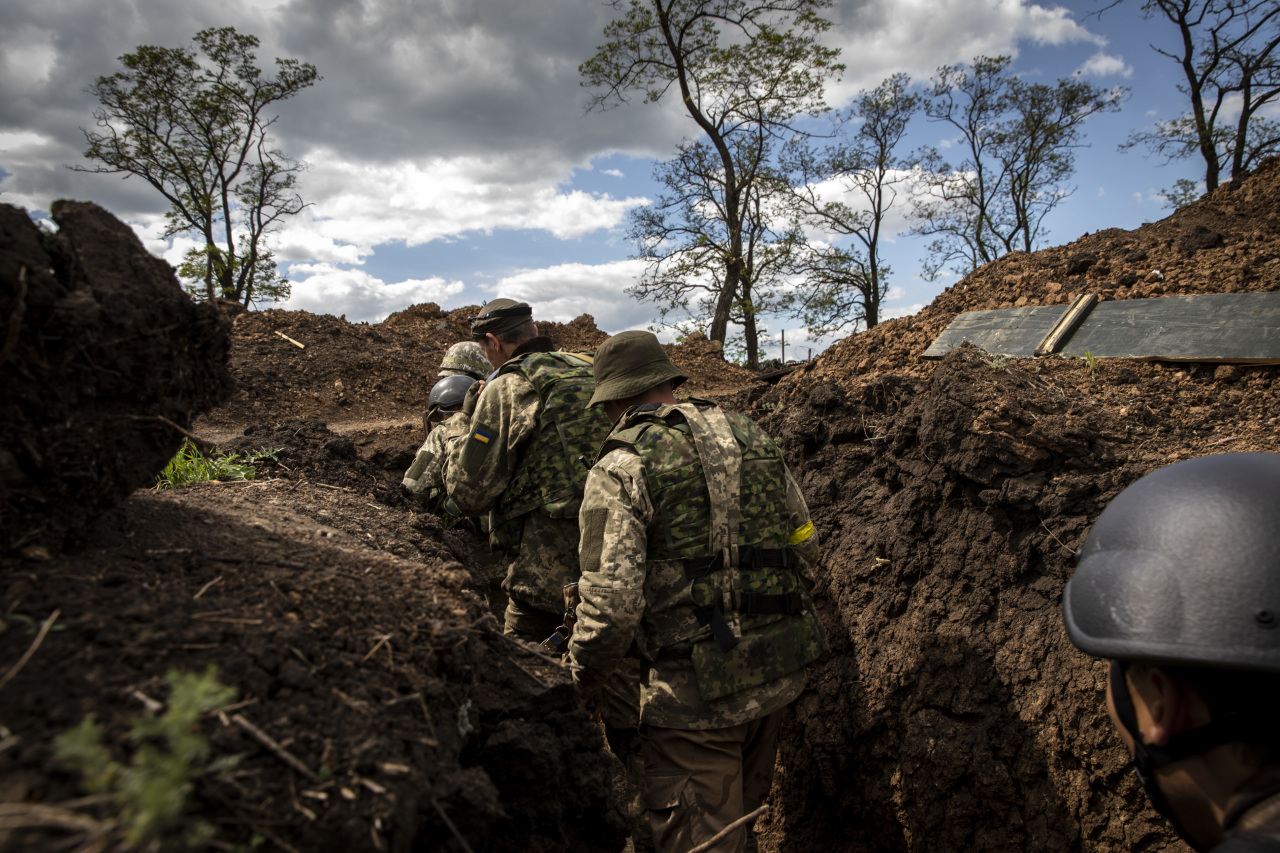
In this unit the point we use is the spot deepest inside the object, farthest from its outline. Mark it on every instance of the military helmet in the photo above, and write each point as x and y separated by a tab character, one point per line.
1183	568
465	359
630	363
447	394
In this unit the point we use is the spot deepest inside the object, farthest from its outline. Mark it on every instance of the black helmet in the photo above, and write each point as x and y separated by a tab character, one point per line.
447	394
1183	568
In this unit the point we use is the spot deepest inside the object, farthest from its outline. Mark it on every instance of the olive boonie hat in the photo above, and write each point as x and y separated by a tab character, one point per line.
465	359
631	363
500	315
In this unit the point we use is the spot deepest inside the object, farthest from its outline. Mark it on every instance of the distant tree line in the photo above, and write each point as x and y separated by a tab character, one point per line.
759	215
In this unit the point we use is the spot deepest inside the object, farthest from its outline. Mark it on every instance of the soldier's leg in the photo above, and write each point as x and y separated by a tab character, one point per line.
759	755
693	786
621	716
530	623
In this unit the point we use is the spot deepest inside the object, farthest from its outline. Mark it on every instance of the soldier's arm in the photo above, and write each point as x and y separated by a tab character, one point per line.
479	463
803	537
615	516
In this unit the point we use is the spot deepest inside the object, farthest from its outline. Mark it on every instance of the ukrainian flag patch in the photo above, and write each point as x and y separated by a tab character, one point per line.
482	435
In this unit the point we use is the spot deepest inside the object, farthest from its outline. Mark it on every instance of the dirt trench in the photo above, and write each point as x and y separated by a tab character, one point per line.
952	713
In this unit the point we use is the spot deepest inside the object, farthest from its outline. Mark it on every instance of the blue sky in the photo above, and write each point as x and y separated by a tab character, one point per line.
451	159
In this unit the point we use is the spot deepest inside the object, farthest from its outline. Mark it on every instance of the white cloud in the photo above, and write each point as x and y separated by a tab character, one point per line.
918	36
616	173
325	289
562	292
365	205
1105	65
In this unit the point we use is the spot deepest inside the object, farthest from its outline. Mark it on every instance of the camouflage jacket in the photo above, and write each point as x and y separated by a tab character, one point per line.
481	465
425	477
632	600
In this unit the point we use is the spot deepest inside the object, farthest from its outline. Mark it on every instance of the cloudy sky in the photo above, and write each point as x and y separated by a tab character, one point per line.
451	158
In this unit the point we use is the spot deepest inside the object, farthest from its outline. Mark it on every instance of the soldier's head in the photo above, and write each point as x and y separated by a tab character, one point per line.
632	368
1178	584
500	327
465	359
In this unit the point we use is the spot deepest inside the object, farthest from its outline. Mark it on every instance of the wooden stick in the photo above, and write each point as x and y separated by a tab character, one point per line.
281	753
291	340
444	817
31	650
22	815
207	587
724	833
197	439
377	646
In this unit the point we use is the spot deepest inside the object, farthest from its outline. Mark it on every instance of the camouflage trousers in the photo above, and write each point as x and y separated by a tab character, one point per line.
699	782
620	712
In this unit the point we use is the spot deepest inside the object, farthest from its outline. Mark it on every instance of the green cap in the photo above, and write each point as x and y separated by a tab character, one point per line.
465	359
631	363
500	315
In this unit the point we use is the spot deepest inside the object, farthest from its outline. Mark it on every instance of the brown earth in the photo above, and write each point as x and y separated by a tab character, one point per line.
952	714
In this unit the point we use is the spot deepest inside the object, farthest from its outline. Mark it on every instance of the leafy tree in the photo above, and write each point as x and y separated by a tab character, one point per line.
1017	143
195	126
1229	55
844	287
744	71
685	238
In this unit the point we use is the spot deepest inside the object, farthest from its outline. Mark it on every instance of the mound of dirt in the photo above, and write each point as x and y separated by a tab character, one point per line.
104	361
381	374
401	718
954	713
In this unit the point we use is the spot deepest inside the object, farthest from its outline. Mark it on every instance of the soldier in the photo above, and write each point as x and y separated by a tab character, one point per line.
1178	584
697	551
425	478
524	456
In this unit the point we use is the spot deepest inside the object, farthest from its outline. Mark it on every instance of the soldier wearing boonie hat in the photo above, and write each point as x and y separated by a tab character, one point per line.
697	552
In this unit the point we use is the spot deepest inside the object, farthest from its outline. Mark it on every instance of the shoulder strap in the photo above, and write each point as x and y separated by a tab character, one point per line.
721	459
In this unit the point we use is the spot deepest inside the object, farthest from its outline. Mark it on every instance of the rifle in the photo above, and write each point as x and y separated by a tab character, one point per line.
558	642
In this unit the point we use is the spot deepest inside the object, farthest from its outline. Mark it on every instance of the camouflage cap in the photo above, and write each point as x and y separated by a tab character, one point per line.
631	363
465	359
500	315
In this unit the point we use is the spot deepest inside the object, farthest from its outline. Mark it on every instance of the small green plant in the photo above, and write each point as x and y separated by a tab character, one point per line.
998	361
191	465
1091	364
152	792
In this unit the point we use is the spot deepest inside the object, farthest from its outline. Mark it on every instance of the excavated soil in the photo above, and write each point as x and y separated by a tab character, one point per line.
952	714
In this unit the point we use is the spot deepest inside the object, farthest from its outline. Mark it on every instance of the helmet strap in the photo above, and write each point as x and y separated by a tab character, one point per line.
1147	758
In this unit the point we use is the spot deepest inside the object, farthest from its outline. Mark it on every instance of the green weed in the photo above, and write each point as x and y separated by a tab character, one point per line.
190	465
998	361
152	792
1091	364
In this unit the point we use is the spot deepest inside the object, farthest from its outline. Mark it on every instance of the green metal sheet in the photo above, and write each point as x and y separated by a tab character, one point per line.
1227	327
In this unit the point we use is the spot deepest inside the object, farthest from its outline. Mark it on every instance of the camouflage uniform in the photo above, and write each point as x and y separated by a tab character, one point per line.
696	551
497	468
425	477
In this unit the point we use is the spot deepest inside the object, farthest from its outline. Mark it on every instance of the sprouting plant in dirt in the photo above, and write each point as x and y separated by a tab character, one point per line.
997	362
151	793
1091	364
191	465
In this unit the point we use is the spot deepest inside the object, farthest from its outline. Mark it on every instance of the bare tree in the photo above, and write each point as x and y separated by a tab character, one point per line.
1017	142
844	287
685	237
744	71
195	126
1229	55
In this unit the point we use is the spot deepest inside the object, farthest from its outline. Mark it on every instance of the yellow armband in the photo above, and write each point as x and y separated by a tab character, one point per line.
800	534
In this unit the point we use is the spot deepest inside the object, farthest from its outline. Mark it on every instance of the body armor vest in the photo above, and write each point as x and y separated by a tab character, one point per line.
740	611
552	469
